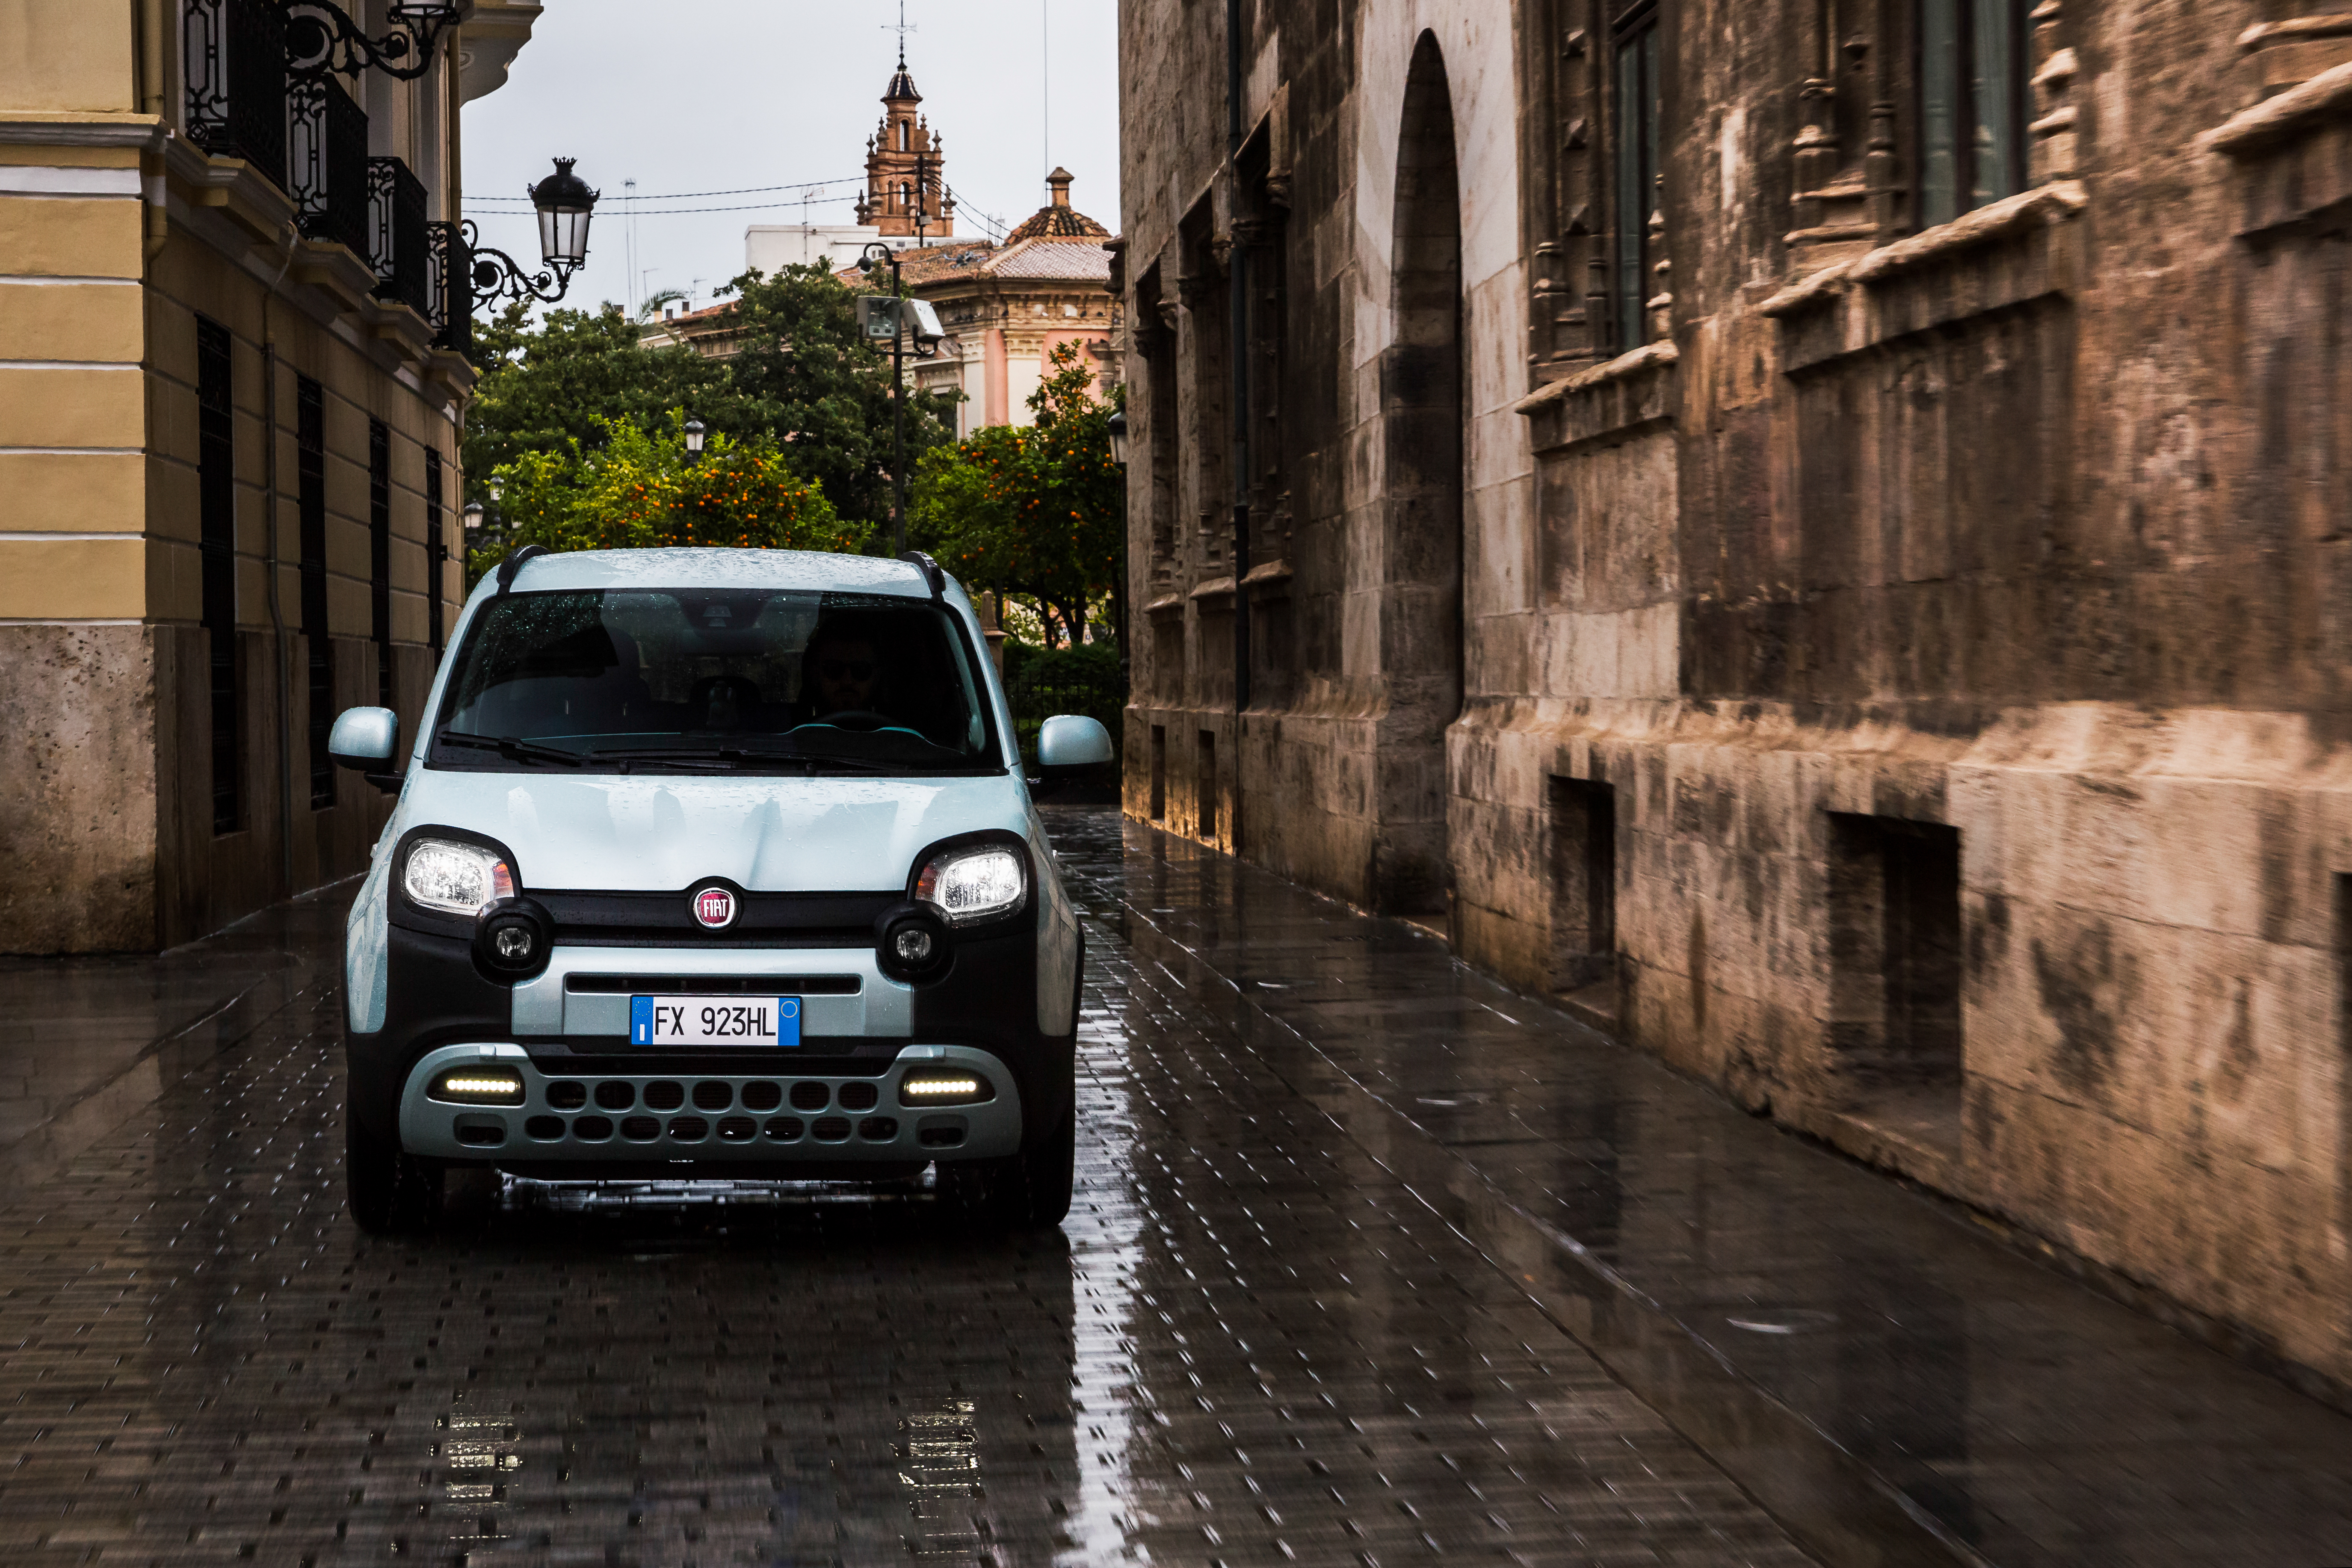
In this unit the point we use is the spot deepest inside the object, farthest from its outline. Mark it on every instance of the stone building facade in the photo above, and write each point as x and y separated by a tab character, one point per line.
230	387
1809	530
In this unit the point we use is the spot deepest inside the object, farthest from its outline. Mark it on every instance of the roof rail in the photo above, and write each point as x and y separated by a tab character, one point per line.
514	563
930	568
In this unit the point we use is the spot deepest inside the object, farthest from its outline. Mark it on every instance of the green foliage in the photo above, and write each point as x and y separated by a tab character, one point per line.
802	380
1040	511
561	383
637	491
803	372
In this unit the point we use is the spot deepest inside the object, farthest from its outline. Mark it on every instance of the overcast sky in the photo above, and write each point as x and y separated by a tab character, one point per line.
720	95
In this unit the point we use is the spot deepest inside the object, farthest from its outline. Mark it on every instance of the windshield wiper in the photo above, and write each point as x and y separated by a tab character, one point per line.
514	751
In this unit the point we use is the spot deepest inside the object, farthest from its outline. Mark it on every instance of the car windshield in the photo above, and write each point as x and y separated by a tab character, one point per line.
694	680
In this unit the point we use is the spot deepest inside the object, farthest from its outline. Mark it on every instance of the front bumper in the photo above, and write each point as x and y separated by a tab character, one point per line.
575	1113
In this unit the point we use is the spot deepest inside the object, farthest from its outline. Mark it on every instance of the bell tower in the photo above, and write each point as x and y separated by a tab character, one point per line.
906	192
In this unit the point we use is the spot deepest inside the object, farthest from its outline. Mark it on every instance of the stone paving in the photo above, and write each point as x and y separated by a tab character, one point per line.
1252	1343
1893	1381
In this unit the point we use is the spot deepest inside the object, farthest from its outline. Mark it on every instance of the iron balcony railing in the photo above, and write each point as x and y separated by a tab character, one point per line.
235	68
449	288
397	247
327	143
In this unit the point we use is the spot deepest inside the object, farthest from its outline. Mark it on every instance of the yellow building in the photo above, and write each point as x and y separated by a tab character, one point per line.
231	384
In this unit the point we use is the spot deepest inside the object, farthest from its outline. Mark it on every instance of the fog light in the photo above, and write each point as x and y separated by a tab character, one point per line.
513	938
944	1089
474	1086
912	944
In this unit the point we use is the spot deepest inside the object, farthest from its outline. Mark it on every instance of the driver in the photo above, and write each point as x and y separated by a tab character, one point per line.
840	673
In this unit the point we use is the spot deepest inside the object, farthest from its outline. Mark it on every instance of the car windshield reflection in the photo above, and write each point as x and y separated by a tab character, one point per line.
700	679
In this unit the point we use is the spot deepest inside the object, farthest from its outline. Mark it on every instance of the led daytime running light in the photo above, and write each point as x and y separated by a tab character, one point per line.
932	1088
505	1087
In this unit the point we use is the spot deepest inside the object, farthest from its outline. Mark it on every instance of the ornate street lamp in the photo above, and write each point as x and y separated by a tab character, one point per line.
321	37
1118	437
565	204
695	431
473	517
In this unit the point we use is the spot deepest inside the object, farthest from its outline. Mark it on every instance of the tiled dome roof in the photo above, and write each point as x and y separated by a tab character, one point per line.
1058	219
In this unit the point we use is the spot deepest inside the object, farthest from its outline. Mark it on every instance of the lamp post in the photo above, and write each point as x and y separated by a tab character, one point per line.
565	204
1118	437
321	37
695	432
873	258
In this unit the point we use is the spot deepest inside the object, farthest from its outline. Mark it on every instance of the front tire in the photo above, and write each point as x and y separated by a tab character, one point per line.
388	1190
1027	1191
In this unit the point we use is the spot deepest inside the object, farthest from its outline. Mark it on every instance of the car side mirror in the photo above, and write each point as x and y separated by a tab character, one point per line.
367	739
1068	741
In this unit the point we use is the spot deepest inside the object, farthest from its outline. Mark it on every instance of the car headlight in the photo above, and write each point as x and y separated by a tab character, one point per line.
977	884
454	879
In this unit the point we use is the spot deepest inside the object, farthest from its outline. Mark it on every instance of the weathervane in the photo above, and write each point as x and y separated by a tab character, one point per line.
902	28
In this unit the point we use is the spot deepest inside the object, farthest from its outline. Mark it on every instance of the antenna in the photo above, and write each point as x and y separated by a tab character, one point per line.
636	290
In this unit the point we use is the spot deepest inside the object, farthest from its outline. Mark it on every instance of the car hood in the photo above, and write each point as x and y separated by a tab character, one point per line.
657	834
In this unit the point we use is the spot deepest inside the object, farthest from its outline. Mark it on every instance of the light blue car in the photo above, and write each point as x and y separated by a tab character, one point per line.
713	863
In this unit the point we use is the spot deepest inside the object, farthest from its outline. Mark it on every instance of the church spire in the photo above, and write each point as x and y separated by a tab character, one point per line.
906	189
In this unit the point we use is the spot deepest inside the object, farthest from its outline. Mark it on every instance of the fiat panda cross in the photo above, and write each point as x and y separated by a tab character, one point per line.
713	863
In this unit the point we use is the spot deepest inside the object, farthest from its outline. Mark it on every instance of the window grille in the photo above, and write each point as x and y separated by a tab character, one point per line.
310	509
327	143
380	555
436	549
397	249
217	533
234	59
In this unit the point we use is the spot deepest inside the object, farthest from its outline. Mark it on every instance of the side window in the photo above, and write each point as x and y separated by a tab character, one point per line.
1591	157
1971	98
1635	134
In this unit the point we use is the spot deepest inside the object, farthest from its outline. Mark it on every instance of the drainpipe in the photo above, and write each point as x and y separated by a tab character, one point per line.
152	100
1237	351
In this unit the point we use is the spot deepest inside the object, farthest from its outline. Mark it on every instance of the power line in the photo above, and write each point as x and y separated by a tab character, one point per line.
656	212
689	196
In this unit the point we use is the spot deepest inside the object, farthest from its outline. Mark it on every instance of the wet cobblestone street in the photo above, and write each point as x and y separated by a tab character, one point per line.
1251	1344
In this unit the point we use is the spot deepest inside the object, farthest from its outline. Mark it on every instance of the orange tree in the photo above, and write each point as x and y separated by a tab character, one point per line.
639	491
1038	510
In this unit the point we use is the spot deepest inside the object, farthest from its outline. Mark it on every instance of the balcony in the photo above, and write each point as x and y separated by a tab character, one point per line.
398	247
327	147
235	68
449	301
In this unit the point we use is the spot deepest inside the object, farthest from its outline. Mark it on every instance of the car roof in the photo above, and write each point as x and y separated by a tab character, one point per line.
811	570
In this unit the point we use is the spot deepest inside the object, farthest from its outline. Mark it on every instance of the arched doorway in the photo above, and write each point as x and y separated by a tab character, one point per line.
1421	495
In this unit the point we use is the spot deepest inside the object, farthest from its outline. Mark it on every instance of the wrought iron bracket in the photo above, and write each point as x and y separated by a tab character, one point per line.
496	275
322	38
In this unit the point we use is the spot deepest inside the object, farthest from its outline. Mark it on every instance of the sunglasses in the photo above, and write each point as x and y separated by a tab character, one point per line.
846	669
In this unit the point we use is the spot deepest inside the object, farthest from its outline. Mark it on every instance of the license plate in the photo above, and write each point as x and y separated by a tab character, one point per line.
715	1021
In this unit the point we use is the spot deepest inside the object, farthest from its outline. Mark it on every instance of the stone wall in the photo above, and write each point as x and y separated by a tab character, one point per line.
1901	670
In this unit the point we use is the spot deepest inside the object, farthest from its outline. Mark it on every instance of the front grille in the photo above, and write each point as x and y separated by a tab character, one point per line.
663	919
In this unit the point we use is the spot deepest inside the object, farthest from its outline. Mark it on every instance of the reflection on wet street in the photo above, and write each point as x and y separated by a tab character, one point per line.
1248	1344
